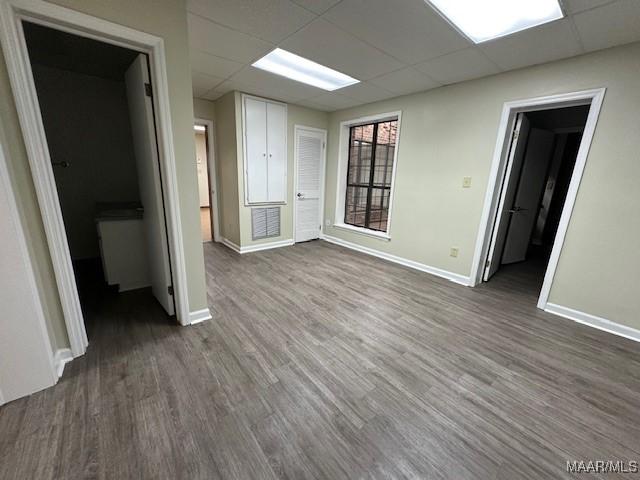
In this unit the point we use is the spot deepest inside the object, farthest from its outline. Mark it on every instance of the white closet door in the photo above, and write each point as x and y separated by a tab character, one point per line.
309	173
255	112
277	152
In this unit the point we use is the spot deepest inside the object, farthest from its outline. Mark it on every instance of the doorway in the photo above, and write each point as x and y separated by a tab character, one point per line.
207	180
96	106
538	167
310	156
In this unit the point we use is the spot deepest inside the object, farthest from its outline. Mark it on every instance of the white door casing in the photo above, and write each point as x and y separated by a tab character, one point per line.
26	356
524	209
310	148
146	153
509	186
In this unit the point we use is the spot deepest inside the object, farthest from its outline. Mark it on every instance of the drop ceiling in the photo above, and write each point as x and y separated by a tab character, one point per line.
393	47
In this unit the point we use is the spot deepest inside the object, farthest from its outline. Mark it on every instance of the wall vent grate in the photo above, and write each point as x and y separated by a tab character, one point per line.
265	222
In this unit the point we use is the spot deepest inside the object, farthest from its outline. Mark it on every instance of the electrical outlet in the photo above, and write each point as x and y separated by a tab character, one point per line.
327	222
466	182
454	252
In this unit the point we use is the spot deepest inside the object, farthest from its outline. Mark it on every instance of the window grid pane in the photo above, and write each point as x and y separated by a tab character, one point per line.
369	173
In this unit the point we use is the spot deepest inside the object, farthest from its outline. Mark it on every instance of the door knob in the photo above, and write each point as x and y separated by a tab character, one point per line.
299	195
517	209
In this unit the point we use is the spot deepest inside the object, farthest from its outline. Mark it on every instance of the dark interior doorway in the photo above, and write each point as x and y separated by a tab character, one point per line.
544	155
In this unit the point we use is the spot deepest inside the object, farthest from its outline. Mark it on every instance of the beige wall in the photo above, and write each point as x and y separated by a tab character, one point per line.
450	132
204	109
237	216
227	168
296	115
166	19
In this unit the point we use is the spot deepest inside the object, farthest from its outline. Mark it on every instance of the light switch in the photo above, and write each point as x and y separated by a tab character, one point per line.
454	252
466	182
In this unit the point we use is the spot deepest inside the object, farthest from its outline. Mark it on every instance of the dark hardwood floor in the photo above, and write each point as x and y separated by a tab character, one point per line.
325	363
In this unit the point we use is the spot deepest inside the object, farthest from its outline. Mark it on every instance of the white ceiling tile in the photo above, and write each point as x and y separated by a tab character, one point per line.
315	106
215	39
224	87
410	30
270	20
330	102
575	6
366	92
254	77
317	6
613	24
402	82
541	44
211	65
458	66
202	83
325	43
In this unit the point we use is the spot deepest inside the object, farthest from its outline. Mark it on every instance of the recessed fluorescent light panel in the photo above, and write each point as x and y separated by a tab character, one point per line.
483	20
303	70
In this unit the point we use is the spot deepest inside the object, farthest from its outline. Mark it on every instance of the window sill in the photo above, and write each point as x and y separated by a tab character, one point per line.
363	231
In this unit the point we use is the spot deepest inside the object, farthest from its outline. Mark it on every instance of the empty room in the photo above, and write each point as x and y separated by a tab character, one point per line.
332	239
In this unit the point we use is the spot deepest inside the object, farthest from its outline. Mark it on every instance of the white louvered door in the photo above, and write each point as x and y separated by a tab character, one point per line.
310	145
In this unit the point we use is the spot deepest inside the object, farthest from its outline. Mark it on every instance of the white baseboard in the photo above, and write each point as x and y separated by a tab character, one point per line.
258	247
198	316
454	277
267	246
60	359
593	321
228	243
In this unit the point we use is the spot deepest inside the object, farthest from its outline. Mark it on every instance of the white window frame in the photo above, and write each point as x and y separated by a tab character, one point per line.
343	163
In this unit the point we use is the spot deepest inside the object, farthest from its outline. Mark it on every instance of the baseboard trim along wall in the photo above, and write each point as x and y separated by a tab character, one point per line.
60	359
454	277
228	243
198	316
258	247
594	321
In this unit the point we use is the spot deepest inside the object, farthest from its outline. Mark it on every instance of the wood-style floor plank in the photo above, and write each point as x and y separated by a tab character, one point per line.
323	363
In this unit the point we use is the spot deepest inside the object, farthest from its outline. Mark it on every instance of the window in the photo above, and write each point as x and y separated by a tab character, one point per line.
369	174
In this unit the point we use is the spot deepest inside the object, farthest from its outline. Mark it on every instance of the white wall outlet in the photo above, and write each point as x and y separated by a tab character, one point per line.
466	182
327	222
454	252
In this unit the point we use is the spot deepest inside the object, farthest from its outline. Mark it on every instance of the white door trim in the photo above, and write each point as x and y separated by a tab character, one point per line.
5	184
213	177
12	12
323	164
509	111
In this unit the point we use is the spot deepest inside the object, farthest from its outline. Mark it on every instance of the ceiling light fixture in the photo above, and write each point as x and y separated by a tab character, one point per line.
303	70
200	128
482	20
